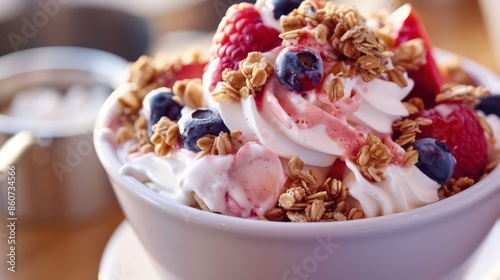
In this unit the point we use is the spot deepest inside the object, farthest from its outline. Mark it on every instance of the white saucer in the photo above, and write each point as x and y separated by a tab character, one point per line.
124	258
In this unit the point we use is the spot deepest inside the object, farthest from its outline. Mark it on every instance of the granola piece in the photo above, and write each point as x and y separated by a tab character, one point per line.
342	207
467	94
142	71
486	126
338	216
489	167
410	55
321	34
335	189
124	133
410	158
286	200
293	34
372	157
369	67
316	196
190	92
409	129
414	105
396	76
165	136
296	216
248	80
203	206
315	211
355	214
147	148
141	123
454	186
237	135
215	145
292	22
335	89
452	68
275	214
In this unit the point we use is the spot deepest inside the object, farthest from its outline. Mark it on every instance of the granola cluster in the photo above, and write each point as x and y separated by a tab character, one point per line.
165	136
307	200
373	157
359	48
249	79
467	94
216	145
408	129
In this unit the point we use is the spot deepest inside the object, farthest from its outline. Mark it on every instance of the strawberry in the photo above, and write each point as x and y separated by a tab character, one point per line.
458	126
338	169
184	71
240	32
406	25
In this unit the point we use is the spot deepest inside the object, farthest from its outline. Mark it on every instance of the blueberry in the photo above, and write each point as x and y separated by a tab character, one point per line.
201	122
284	7
489	105
434	159
298	69
161	104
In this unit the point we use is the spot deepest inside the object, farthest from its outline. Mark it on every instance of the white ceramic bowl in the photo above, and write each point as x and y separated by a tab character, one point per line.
425	243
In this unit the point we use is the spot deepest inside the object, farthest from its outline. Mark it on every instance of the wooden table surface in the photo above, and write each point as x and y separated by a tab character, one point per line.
72	251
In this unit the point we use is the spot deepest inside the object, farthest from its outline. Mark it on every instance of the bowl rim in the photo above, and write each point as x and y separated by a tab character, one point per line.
110	67
430	214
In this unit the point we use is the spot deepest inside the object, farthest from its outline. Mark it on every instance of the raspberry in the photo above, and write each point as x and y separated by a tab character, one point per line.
240	32
457	125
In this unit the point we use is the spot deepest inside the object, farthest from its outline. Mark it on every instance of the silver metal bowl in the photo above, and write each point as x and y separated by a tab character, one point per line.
58	176
64	23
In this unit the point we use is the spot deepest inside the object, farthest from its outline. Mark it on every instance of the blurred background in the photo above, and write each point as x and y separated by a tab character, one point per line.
64	222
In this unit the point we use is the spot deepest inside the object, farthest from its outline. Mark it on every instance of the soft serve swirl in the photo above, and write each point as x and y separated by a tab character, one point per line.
276	125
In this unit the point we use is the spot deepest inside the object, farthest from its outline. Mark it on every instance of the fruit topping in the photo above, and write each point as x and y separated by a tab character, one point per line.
299	69
489	105
240	32
458	127
162	105
200	123
181	72
434	159
284	7
406	25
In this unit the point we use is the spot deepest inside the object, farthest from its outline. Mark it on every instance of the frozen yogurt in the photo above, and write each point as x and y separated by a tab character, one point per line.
304	111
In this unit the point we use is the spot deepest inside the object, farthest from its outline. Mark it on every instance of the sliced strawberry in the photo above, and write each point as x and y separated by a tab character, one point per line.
338	169
240	32
255	180
406	25
457	125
